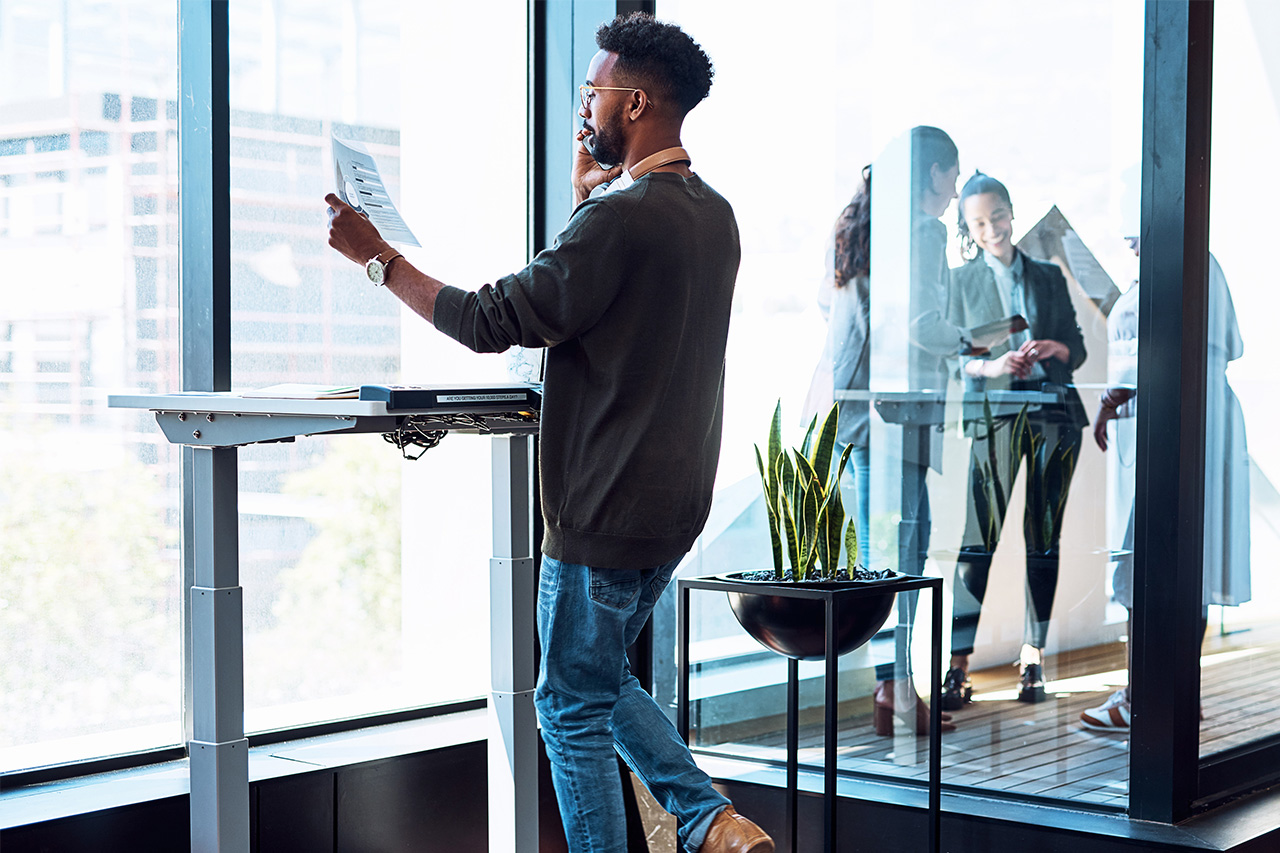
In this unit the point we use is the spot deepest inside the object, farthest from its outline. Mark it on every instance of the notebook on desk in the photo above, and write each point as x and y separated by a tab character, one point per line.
477	398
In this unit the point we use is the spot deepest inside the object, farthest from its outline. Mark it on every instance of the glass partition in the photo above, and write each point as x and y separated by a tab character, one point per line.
357	564
1242	470
975	456
90	576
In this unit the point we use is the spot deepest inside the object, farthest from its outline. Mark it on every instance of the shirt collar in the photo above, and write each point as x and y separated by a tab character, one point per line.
1013	271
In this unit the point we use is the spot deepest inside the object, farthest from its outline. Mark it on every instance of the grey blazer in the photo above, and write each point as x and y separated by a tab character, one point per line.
847	330
973	299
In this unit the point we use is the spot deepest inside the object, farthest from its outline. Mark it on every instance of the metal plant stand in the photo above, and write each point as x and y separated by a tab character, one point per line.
832	600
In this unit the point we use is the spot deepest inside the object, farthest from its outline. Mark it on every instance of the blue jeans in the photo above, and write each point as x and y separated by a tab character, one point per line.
857	479
913	550
590	705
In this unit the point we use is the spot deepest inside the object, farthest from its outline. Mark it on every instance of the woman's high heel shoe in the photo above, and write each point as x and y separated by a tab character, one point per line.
1031	684
957	689
884	712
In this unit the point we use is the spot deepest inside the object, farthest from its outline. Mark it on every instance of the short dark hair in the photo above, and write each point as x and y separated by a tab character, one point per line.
659	56
977	185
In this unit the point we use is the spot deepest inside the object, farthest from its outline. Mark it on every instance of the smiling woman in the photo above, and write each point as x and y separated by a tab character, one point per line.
1002	281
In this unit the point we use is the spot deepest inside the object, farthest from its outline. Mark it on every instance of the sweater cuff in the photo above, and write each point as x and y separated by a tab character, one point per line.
447	314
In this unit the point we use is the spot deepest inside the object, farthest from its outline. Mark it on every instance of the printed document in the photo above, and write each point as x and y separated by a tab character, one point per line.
360	185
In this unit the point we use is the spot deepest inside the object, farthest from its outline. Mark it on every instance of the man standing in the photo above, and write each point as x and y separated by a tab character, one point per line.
633	305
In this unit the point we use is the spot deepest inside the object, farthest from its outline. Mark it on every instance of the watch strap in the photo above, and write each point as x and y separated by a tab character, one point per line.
383	265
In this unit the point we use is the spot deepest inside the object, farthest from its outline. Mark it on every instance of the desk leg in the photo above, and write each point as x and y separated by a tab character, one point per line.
513	596
219	752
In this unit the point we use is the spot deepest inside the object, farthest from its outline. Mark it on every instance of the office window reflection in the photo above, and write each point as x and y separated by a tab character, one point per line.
357	564
1241	467
981	464
90	575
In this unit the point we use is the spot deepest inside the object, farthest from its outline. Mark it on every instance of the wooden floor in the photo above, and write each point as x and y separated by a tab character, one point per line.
1041	749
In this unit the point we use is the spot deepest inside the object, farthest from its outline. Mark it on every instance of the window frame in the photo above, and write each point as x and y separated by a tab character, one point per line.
1169	781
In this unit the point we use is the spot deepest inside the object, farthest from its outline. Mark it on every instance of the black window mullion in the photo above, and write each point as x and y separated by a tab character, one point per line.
1172	346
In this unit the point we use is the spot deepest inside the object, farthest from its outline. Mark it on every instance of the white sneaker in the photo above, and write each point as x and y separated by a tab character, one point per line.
1111	716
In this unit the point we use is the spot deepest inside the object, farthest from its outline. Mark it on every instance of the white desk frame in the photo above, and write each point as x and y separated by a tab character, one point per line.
215	425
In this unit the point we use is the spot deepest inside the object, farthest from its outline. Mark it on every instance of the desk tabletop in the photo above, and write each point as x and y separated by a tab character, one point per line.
229	419
232	402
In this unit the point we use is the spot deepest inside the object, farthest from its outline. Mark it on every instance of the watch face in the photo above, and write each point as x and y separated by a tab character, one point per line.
375	271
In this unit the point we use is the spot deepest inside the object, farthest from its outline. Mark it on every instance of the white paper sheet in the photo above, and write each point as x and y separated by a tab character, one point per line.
360	185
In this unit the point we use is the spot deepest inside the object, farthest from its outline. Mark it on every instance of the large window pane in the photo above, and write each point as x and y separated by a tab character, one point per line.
1058	122
90	592
1242	469
357	565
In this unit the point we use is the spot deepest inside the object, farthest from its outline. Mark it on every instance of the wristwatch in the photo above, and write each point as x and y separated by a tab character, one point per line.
376	268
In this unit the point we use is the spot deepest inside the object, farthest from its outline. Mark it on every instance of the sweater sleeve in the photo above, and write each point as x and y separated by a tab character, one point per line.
558	296
930	278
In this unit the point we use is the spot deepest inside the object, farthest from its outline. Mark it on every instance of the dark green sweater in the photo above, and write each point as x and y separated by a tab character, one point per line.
633	303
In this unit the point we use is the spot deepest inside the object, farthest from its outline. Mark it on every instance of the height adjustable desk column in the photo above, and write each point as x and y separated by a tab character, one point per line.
215	425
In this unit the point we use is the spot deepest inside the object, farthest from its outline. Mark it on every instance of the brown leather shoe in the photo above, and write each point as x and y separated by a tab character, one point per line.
730	832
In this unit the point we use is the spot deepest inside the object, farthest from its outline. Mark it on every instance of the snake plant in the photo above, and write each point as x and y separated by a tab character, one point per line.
990	498
1049	476
807	519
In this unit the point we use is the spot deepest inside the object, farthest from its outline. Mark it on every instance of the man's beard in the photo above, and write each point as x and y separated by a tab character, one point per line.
606	147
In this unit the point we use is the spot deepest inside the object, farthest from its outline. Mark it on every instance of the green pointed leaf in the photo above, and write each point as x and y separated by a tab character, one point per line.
831	532
982	506
851	544
808	436
839	472
772	510
793	541
775	433
824	549
787	480
993	461
825	446
806	473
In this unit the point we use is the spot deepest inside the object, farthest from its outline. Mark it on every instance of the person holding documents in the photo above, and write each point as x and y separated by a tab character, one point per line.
999	282
632	303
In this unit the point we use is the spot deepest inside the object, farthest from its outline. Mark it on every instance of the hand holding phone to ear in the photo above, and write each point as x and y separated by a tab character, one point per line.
587	173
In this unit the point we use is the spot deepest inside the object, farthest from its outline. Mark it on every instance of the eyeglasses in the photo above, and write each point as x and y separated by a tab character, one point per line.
588	92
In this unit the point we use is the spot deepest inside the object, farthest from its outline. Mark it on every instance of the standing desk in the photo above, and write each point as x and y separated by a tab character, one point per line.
215	425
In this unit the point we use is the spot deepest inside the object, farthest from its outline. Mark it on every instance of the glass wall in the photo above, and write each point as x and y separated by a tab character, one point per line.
1035	622
356	564
1242	470
90	577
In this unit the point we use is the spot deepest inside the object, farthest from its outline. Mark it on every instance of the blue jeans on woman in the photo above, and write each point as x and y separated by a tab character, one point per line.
856	483
590	705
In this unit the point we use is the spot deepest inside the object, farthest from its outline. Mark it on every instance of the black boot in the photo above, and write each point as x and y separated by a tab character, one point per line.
1031	686
957	689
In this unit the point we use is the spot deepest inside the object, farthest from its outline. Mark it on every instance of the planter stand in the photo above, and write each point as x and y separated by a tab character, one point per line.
832	599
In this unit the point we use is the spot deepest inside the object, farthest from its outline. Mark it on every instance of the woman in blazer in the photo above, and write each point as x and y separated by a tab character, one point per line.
998	282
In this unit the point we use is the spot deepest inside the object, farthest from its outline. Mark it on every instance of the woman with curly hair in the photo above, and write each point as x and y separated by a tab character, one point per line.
845	299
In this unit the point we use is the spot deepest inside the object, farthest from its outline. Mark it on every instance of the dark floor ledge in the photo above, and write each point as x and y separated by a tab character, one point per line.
881	815
87	794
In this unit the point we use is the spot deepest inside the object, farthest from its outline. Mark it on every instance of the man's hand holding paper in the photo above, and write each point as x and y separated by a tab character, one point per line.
359	184
351	232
